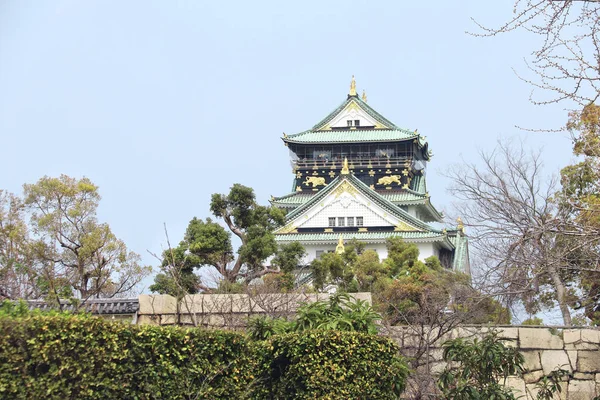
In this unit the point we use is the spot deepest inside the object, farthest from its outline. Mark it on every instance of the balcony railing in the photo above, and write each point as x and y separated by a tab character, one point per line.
355	162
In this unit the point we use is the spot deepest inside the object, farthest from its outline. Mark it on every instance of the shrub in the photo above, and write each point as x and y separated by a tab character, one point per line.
478	369
326	364
84	357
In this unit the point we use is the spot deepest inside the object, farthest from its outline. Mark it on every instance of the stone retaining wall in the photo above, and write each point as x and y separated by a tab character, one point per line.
544	349
229	311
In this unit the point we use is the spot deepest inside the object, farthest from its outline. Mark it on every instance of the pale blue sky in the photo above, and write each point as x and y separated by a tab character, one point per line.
162	103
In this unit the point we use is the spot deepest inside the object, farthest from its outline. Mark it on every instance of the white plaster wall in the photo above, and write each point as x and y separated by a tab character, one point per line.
352	113
412	210
346	206
425	250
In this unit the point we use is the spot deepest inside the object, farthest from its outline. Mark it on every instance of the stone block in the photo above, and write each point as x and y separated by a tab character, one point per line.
533	377
508	333
571	335
532	391
437	368
240	303
588	361
364	296
157	304
516	385
539	338
216	303
191	304
584	376
554	359
215	320
572	358
168	319
148	320
532	360
582	346
590	336
581	390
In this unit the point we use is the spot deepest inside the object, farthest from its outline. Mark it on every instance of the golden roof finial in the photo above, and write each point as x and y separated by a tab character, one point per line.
460	225
353	87
345	169
364	96
284	135
340	246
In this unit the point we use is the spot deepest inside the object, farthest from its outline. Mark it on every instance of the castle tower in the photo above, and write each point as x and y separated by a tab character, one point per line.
359	176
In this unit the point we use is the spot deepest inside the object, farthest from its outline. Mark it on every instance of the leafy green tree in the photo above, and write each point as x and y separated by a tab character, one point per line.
18	274
208	244
286	260
479	369
579	199
80	257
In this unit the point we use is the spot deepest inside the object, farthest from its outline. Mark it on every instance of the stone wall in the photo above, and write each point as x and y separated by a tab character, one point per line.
230	311
544	349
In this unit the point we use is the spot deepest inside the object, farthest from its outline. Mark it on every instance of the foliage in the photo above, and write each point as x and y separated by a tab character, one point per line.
287	259
18	275
478	369
405	289
549	385
208	244
80	257
79	356
580	200
340	313
535	321
263	328
329	364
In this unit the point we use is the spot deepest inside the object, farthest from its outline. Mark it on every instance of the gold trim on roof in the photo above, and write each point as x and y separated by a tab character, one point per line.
352	87
364	96
345	170
402	226
345	187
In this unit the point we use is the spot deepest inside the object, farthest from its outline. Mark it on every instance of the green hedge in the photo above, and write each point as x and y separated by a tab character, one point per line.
84	357
330	365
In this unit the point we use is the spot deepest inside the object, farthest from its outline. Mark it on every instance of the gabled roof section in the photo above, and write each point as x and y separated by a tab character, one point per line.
404	197
374	127
358	185
354	101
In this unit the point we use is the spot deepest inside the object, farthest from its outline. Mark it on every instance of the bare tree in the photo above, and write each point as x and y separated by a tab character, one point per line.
566	64
533	253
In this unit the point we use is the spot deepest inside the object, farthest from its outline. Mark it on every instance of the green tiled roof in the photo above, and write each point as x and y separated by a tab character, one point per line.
366	236
461	252
366	191
402	197
295	198
351	136
419	185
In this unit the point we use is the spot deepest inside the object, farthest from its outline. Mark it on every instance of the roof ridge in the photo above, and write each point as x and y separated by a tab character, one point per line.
285	196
